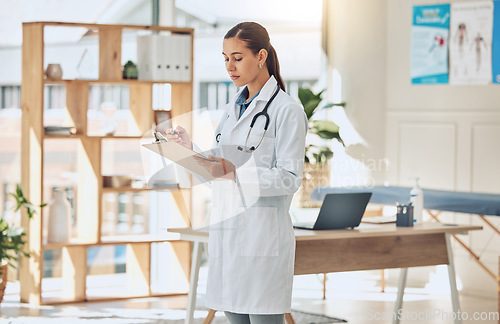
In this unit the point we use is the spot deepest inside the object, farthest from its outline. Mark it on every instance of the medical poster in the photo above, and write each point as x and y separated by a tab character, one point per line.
495	48
429	44
471	29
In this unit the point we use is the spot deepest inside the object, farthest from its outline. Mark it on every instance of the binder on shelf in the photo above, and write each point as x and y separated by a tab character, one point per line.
150	58
176	48
186	58
144	57
164	57
167	52
59	130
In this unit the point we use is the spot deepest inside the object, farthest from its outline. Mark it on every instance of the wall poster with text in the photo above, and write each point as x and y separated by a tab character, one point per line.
471	29
429	44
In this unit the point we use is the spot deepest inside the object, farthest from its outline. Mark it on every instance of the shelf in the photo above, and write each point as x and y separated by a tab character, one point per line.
102	288
50	136
88	155
116	240
130	189
144	238
178	30
107	82
58	299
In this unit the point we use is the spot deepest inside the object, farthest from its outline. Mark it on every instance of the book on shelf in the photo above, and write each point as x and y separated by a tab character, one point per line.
60	130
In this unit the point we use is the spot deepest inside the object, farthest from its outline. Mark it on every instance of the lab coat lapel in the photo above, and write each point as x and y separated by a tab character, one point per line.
259	102
232	110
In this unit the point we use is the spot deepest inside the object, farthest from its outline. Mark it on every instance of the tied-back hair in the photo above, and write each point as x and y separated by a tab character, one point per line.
257	38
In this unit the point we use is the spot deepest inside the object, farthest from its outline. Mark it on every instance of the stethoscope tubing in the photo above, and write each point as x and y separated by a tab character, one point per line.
264	113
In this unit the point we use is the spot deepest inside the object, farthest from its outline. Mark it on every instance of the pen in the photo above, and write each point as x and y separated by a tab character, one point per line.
159	137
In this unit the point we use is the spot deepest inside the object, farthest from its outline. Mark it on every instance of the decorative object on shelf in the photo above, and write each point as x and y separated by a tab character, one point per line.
163	120
108	109
316	168
12	238
53	72
59	130
116	181
130	70
59	217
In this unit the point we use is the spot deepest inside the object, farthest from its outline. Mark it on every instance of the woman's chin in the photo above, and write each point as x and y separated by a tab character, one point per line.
238	83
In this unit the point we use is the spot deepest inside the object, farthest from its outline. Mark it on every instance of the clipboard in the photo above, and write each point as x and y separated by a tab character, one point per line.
183	156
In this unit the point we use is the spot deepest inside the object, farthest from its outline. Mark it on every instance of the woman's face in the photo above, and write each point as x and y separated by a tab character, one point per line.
241	64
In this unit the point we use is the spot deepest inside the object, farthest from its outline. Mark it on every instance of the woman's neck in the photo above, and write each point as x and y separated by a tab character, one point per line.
255	86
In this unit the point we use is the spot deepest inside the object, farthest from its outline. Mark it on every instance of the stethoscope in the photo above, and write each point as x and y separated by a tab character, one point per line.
262	113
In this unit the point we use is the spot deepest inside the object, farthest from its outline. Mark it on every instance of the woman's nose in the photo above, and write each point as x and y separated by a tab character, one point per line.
230	66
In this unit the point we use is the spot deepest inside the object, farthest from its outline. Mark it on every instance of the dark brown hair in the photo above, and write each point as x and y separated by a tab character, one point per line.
257	38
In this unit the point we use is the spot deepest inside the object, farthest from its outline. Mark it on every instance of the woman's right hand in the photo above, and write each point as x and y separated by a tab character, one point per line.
179	135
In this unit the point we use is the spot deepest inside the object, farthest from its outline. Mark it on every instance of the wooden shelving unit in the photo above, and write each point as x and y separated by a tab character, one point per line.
90	183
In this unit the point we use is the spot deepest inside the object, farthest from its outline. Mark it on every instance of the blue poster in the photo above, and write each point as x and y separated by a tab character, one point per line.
429	44
495	47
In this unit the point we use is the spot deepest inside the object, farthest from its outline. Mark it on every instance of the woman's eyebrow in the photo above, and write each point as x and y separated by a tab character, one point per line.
233	53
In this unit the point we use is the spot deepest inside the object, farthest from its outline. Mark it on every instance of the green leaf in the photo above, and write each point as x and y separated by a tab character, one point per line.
22	201
306	95
325	154
309	101
310	107
325	129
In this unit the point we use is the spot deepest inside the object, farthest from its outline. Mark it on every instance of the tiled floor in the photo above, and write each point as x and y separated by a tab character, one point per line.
354	296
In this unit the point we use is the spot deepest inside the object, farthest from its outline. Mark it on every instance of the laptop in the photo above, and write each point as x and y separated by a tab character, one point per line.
339	211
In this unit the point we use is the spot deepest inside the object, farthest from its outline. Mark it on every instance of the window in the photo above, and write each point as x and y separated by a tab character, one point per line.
10	96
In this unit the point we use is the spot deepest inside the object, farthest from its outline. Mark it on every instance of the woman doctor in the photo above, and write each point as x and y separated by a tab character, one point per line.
252	244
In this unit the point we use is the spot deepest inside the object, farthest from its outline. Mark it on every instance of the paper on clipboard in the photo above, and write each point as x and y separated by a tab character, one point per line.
182	156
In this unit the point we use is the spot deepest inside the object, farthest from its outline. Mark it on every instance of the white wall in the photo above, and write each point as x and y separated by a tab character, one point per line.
447	135
357	49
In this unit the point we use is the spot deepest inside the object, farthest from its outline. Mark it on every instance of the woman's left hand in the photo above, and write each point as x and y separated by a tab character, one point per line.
218	167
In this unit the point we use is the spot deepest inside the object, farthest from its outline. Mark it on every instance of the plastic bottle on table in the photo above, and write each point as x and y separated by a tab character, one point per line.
417	199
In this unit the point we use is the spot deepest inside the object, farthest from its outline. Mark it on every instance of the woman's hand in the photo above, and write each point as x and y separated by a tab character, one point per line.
179	135
218	167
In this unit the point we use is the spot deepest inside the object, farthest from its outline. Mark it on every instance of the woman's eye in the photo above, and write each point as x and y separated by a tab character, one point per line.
238	59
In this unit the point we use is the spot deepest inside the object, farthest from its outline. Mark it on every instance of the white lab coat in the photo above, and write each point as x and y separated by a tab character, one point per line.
252	244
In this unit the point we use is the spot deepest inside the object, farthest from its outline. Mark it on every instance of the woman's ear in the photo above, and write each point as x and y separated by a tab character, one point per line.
262	57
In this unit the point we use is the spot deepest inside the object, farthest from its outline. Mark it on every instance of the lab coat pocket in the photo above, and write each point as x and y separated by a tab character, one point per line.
264	154
258	232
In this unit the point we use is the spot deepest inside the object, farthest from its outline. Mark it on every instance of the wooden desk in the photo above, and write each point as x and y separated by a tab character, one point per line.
367	247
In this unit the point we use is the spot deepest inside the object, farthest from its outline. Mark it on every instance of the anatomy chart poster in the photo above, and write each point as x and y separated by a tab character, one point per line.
429	44
471	29
495	49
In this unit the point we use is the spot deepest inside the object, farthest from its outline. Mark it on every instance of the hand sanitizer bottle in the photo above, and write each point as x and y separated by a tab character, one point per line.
417	199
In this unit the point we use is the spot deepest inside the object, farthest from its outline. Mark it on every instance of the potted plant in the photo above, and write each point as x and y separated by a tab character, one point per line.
12	238
316	167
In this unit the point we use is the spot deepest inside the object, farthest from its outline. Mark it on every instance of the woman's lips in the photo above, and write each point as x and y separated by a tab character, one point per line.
234	77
